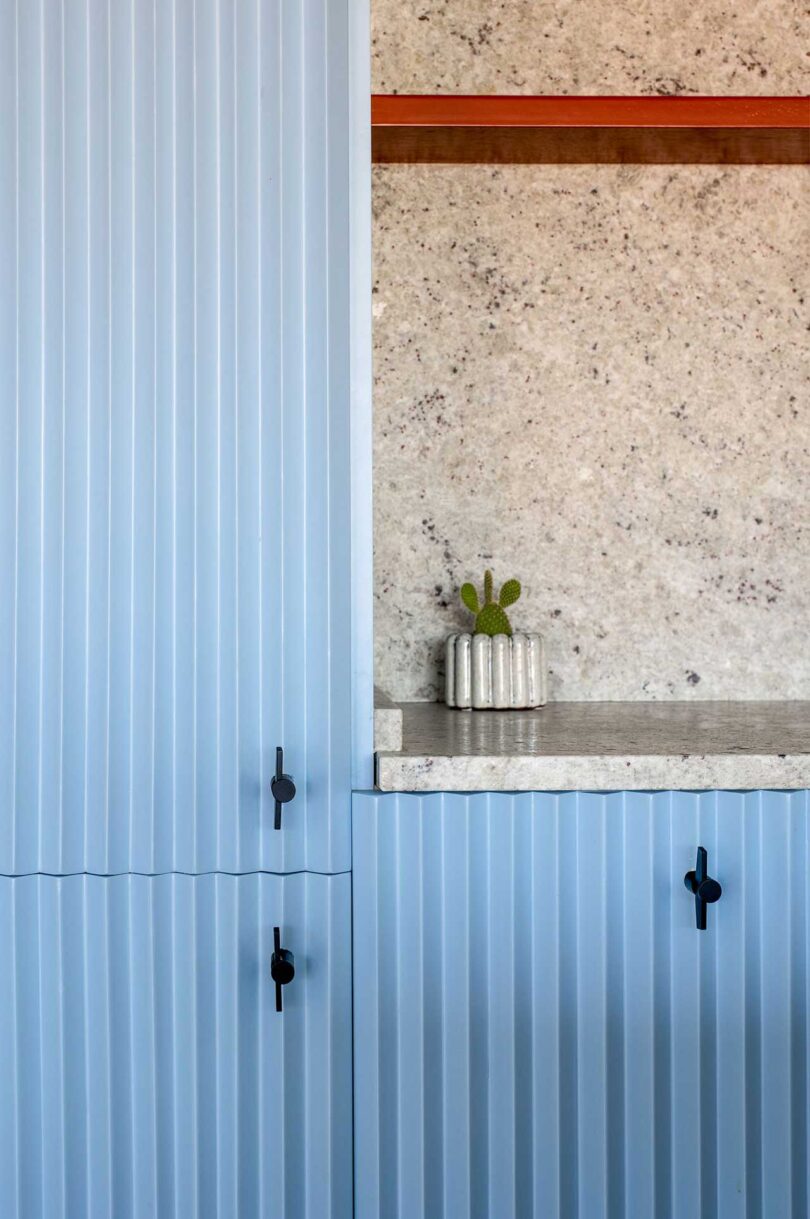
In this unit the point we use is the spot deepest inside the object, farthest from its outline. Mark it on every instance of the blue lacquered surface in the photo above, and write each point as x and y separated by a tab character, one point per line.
144	1070
175	442
541	1030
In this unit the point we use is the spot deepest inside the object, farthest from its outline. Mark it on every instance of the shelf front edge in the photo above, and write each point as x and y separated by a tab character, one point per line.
579	130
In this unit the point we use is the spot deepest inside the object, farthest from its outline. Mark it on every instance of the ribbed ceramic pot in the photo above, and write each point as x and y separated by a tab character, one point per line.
499	672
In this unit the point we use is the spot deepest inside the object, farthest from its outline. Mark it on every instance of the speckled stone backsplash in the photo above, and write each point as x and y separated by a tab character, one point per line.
595	378
590	46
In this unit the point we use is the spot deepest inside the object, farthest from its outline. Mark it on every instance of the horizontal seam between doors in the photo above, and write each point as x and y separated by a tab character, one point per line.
132	872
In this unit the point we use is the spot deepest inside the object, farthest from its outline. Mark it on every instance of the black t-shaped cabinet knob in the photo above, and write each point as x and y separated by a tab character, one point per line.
282	787
282	966
705	888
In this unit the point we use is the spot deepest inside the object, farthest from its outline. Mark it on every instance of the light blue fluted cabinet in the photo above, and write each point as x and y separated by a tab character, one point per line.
175	494
182	226
144	1071
540	1029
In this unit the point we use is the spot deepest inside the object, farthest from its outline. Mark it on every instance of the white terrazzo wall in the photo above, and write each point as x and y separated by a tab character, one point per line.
590	46
595	378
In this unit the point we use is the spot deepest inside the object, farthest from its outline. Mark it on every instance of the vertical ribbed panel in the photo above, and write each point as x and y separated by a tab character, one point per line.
144	1070
539	1027
175	517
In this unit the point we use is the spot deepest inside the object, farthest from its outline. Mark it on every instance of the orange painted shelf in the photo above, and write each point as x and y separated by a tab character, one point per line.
455	128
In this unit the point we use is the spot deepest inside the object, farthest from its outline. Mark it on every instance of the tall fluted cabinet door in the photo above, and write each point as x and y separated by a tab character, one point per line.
144	1070
174	434
179	204
540	1028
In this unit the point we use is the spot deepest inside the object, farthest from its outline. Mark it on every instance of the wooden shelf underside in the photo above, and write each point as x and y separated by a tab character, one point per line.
480	129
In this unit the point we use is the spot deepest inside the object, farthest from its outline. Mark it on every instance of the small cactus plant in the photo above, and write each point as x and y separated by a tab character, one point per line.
490	618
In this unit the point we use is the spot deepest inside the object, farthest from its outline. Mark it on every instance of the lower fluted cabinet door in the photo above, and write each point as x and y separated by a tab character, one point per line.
542	1032
144	1069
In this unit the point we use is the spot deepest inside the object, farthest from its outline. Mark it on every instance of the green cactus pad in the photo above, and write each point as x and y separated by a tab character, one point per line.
492	621
490	618
470	598
509	593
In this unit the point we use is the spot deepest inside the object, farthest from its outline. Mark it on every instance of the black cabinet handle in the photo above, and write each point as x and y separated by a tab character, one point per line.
282	966
282	787
704	887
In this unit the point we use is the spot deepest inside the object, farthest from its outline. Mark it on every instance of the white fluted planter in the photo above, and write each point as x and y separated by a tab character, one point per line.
498	672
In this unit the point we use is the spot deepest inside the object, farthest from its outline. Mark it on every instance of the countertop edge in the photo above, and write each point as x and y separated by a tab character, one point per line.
398	772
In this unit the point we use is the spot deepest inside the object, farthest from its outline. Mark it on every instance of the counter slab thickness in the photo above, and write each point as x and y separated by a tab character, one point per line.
602	746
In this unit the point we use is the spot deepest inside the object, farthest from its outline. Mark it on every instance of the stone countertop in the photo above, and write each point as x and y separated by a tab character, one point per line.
387	723
602	746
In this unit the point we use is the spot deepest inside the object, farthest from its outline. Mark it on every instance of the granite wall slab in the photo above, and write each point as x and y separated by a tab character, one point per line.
595	378
590	46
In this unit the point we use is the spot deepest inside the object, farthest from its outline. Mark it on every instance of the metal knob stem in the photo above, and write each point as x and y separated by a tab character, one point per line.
705	888
282	966
282	787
